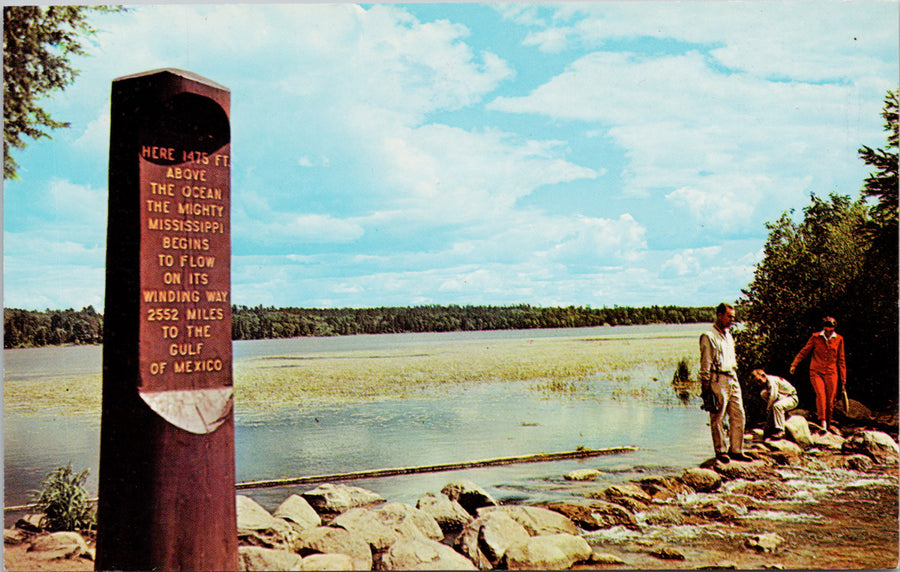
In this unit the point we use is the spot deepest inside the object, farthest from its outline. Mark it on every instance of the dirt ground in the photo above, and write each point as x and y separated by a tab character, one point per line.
17	557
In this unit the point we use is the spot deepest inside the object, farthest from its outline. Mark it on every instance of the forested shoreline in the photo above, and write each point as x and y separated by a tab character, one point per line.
30	328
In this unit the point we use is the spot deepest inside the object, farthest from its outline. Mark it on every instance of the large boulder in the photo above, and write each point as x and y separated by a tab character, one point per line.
423	554
665	516
766	489
536	520
827	440
256	527
485	540
768	542
754	470
663	487
797	428
701	480
593	514
784	446
469	495
880	446
330	540
582	475
335	499
298	512
716	509
58	545
385	525
856	412
449	514
257	558
31	522
629	495
326	562
550	552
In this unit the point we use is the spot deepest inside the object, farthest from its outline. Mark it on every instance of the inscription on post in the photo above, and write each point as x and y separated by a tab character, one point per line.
185	301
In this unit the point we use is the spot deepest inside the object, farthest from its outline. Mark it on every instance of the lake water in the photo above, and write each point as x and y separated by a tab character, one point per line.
468	423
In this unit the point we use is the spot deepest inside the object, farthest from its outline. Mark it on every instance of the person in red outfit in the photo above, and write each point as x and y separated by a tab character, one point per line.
827	368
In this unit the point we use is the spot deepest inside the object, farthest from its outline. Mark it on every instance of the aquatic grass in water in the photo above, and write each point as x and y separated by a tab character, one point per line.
556	366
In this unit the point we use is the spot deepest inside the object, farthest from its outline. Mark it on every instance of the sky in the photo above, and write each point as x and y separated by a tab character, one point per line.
591	154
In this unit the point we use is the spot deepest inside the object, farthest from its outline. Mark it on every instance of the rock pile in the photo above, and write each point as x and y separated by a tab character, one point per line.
341	527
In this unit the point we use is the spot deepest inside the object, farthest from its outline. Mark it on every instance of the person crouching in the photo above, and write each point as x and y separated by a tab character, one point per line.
780	397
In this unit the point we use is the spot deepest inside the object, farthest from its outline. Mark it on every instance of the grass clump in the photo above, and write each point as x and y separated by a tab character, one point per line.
64	501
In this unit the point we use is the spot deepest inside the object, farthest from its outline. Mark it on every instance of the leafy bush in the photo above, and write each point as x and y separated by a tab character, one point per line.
64	500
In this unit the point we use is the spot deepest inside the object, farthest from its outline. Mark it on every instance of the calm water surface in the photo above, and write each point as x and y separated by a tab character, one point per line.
472	423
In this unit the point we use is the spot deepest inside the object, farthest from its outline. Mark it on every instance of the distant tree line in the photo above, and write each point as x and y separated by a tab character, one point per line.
261	322
26	328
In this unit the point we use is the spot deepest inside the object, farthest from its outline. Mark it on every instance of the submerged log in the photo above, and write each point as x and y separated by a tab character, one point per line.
580	453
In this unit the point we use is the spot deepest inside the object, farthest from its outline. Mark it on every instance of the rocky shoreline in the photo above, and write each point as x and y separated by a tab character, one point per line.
810	500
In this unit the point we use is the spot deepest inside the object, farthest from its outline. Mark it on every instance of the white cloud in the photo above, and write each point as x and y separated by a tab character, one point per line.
791	39
706	138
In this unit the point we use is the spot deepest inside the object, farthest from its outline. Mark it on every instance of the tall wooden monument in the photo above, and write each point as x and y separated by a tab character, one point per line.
167	496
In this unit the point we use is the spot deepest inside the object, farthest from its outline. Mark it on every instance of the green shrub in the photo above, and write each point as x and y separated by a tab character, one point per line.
64	500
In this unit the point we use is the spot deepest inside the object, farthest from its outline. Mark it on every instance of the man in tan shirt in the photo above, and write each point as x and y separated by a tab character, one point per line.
720	388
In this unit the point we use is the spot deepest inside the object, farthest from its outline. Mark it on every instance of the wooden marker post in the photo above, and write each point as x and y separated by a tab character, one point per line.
166	493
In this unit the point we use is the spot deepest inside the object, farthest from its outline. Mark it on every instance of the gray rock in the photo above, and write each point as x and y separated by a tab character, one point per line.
594	514
797	429
787	458
330	540
765	489
423	554
14	536
664	488
783	445
877	445
768	542
298	512
536	520
701	480
606	559
385	525
665	516
31	523
716	509
857	411
449	514
754	470
253	558
326	562
583	475
827	441
667	553
856	462
58	545
469	495
550	552
255	526
628	495
335	499
486	539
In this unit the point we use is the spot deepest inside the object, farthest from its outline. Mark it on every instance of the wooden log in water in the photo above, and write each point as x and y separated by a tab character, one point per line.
391	472
377	473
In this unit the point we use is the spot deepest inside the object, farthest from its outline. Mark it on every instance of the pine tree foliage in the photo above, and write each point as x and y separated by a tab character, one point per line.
840	260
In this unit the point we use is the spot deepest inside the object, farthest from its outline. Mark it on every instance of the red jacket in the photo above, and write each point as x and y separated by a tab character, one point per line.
827	355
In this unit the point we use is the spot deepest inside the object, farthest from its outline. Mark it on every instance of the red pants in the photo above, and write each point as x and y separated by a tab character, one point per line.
826	385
